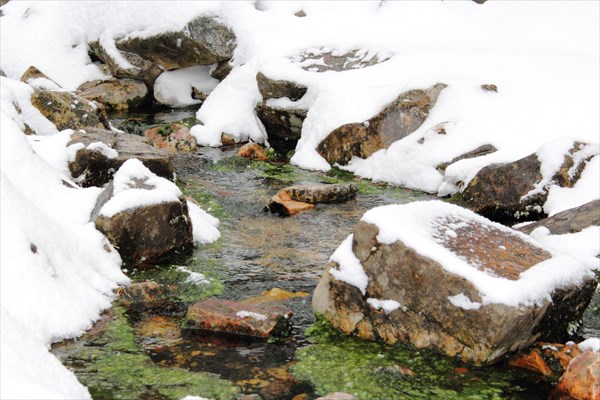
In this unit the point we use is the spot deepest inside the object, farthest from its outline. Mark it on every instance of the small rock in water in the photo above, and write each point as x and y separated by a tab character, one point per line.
172	137
229	317
275	294
294	199
141	296
581	380
283	204
252	151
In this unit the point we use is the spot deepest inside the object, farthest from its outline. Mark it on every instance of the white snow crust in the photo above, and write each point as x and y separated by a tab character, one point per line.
591	344
174	88
250	314
204	226
387	305
462	301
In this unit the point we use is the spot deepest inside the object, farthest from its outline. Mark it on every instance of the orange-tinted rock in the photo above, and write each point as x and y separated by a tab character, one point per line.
272	295
227	140
252	151
172	137
119	94
581	380
142	295
549	359
321	193
224	316
283	204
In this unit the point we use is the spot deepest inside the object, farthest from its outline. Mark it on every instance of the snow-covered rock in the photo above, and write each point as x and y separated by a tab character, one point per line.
568	221
396	121
205	40
144	216
119	94
95	155
464	285
518	191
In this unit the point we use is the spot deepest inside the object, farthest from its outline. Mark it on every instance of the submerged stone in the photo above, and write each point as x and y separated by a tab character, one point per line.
224	316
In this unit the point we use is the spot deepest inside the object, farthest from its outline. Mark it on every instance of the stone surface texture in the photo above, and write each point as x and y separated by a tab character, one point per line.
568	221
396	121
581	380
68	111
172	137
426	318
252	151
119	94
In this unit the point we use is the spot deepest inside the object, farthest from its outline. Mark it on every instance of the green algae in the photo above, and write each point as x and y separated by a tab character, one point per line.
185	291
335	362
207	200
113	366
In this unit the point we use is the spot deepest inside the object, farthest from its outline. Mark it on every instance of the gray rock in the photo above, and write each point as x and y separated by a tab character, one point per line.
118	94
275	89
500	192
569	221
478	152
396	121
68	111
93	168
149	234
204	40
222	69
426	318
321	193
283	125
143	70
323	60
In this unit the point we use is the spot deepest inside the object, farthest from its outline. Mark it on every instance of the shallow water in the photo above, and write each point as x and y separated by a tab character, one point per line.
259	251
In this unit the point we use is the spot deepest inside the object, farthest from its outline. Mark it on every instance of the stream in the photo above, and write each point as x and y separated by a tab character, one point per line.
145	355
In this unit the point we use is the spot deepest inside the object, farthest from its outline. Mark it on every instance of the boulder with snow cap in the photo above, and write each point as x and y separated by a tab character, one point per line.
118	94
229	317
568	221
396	121
205	40
144	216
435	275
127	65
95	155
517	191
274	89
68	111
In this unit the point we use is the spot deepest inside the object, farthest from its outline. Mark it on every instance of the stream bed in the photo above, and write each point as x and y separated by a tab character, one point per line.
264	258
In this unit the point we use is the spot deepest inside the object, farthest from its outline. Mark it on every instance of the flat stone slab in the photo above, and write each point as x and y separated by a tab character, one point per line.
294	199
229	317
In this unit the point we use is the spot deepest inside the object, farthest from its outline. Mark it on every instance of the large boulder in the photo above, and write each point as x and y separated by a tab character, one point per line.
435	275
144	216
139	68
204	40
68	111
119	94
517	191
275	89
95	155
568	221
229	317
396	121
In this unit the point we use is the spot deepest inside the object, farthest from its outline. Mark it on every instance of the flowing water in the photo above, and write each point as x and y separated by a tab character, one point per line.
145	355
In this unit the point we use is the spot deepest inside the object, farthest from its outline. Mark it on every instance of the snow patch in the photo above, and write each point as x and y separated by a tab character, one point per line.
349	270
194	277
591	344
175	88
204	225
462	301
250	314
387	305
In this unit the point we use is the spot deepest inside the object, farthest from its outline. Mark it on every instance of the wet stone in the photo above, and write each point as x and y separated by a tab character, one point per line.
252	151
119	94
234	318
140	296
581	380
172	137
549	359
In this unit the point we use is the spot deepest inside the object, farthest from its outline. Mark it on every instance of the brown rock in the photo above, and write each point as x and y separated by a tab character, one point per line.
321	193
68	111
93	168
273	295
581	380
150	234
501	192
549	359
172	137
489	87
119	94
569	221
34	73
300	14
227	140
140	296
224	316
252	151
142	69
275	89
426	318
204	40
394	122
282	204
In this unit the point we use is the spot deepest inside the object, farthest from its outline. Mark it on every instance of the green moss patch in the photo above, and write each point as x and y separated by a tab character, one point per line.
112	366
375	371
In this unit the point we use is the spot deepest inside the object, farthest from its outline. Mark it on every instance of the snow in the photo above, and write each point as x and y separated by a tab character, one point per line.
591	344
250	314
387	305
462	301
194	277
204	225
350	269
134	185
174	88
